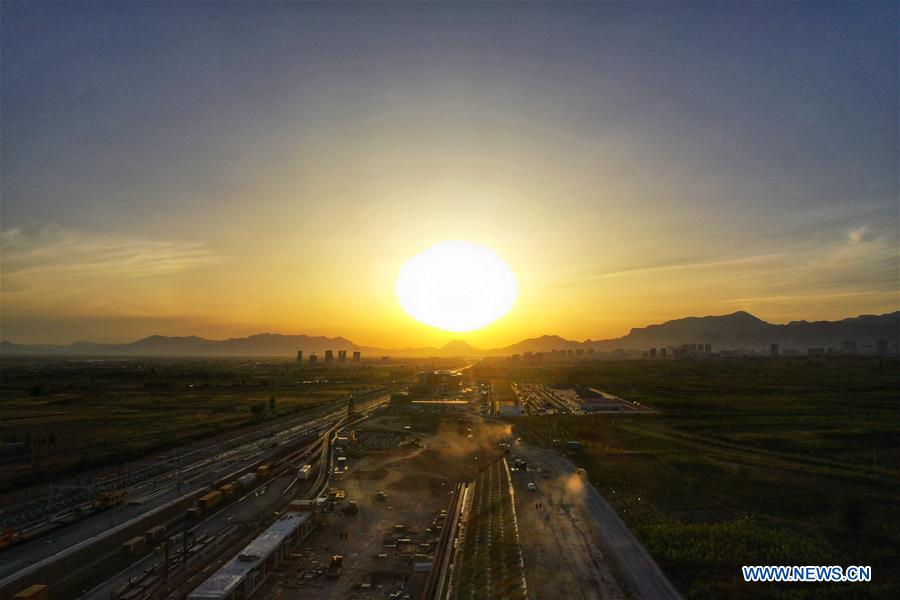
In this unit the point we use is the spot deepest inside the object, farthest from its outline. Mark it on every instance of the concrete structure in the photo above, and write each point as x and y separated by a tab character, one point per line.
329	356
357	356
299	357
246	572
774	350
313	359
342	356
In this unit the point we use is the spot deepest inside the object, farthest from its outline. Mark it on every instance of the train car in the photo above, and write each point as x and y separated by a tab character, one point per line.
227	490
37	591
109	499
154	534
304	472
134	545
9	536
262	471
247	480
209	500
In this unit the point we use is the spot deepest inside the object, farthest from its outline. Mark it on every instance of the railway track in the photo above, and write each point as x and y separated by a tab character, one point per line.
143	482
144	587
70	555
491	566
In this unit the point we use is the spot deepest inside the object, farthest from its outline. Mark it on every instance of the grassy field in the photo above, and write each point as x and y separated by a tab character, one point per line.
750	462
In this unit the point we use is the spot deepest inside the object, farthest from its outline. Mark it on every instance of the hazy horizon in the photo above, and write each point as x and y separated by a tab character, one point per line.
450	337
228	169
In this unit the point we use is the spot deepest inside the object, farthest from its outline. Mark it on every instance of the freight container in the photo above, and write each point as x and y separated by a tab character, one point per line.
262	471
37	591
227	489
304	472
209	500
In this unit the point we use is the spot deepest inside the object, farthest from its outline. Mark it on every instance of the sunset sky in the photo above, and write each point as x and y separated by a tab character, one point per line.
225	169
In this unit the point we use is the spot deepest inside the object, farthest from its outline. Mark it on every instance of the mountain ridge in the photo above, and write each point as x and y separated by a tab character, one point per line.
734	331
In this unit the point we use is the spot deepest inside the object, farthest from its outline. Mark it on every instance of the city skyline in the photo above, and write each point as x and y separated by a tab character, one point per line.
224	170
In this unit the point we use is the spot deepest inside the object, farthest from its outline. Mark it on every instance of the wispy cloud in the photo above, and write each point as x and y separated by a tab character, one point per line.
55	252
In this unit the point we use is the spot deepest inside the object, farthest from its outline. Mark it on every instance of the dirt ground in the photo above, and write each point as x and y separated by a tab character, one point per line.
417	481
560	544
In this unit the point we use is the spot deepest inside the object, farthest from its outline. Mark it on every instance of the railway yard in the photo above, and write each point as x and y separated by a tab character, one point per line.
362	494
117	530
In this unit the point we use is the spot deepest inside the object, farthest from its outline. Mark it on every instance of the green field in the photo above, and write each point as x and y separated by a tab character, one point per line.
786	462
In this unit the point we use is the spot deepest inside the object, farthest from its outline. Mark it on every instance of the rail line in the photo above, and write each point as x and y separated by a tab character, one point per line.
11	583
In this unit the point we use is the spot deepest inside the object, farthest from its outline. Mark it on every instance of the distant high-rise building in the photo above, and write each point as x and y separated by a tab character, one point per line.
881	347
329	356
342	356
773	350
848	347
313	359
579	352
357	356
299	357
707	349
692	347
570	353
652	352
662	352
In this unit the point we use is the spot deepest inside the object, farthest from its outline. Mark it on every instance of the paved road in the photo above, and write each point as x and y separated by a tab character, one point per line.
633	562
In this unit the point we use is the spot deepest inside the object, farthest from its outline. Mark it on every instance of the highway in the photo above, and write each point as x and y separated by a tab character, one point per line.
158	499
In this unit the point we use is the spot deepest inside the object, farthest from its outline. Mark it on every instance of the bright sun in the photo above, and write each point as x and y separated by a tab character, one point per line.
456	286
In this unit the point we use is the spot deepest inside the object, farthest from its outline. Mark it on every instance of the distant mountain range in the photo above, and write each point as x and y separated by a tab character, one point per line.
736	331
